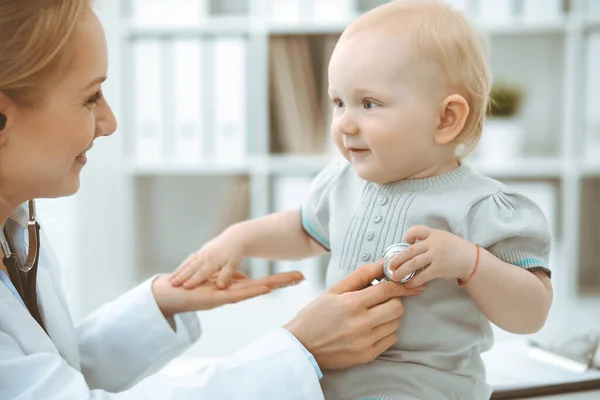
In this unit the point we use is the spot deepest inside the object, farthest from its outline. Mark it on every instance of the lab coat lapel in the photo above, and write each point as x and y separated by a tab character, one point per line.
52	307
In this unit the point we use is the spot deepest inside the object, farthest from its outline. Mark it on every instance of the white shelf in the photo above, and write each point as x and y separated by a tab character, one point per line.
204	168
306	28
592	23
245	25
520	27
532	168
293	164
591	169
222	26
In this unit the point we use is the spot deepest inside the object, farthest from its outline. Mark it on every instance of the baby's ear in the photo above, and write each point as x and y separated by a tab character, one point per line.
453	113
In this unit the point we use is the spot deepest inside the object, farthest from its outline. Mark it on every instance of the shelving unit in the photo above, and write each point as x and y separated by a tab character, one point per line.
547	57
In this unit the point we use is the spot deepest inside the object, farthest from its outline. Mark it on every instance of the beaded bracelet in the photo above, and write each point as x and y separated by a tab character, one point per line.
463	283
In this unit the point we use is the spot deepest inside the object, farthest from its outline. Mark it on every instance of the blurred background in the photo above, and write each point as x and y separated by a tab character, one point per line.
223	115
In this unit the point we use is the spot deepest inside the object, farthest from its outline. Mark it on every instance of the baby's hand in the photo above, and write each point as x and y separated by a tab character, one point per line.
216	256
433	254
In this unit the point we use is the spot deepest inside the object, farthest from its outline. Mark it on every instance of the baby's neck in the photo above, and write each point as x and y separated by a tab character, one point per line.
435	170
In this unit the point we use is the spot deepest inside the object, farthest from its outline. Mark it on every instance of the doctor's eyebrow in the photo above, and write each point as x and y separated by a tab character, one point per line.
96	81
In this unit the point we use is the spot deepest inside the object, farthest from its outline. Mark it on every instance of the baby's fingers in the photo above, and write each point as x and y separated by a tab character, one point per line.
226	273
182	275
184	270
200	274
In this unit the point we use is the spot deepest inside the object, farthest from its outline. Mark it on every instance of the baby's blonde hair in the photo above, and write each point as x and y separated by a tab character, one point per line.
33	37
445	36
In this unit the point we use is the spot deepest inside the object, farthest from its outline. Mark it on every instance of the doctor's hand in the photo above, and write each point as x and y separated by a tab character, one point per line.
220	255
172	300
352	323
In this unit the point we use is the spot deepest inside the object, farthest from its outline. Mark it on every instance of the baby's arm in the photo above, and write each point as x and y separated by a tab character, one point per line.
511	297
507	275
278	236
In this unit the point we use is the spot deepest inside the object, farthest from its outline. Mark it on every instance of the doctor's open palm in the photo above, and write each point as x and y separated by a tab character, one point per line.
218	255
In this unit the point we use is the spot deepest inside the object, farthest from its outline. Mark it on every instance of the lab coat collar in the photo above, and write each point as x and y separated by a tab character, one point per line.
21	215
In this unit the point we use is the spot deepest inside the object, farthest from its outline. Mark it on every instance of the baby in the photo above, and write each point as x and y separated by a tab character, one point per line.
410	86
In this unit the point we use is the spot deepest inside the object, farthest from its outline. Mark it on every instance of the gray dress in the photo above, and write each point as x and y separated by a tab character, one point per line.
443	332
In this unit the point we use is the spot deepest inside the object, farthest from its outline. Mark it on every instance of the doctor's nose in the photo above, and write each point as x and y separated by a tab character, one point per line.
346	124
106	122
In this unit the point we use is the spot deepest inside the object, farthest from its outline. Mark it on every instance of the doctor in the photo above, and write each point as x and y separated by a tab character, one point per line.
52	64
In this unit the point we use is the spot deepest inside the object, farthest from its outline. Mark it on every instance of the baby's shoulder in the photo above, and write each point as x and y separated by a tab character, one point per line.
491	197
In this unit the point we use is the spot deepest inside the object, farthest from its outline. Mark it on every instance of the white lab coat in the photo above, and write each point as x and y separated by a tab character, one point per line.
114	352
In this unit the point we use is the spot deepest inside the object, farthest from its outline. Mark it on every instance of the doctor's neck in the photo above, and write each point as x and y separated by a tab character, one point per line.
6	209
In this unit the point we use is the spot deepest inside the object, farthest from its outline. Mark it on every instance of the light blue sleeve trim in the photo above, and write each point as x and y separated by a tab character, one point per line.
6	280
311	358
530	262
312	232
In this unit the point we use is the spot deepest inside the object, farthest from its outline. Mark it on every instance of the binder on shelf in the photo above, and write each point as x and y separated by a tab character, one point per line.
188	11
188	99
230	98
286	11
235	206
592	99
495	11
593	8
461	5
332	11
147	101
539	11
160	12
297	117
149	11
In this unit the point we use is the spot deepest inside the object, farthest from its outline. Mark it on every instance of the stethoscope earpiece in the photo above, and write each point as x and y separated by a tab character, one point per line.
2	121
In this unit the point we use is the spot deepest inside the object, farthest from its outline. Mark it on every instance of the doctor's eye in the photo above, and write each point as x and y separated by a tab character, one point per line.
95	98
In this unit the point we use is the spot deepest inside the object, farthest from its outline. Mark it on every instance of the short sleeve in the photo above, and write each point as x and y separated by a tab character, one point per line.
315	209
513	228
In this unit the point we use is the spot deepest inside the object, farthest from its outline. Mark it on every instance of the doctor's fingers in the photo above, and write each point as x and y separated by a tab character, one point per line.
273	281
231	296
386	312
383	345
385	330
382	292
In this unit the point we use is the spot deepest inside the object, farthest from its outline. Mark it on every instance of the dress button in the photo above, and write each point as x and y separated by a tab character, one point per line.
370	235
382	200
377	219
365	256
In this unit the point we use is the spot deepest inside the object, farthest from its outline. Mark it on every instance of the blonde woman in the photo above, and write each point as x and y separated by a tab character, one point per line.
52	64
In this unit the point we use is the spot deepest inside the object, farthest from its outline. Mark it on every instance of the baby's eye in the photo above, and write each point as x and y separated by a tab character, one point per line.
338	103
369	105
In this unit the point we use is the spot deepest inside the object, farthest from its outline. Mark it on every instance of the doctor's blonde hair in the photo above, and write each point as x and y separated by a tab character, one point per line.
444	35
33	45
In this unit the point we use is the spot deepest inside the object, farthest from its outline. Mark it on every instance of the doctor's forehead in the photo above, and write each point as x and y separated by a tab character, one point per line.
87	60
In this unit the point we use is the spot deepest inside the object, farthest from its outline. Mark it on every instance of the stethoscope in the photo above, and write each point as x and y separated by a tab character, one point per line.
24	277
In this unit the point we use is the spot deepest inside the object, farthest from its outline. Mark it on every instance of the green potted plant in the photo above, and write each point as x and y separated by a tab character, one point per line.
502	137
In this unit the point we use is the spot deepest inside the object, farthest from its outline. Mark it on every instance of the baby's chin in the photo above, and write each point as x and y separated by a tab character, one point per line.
369	173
